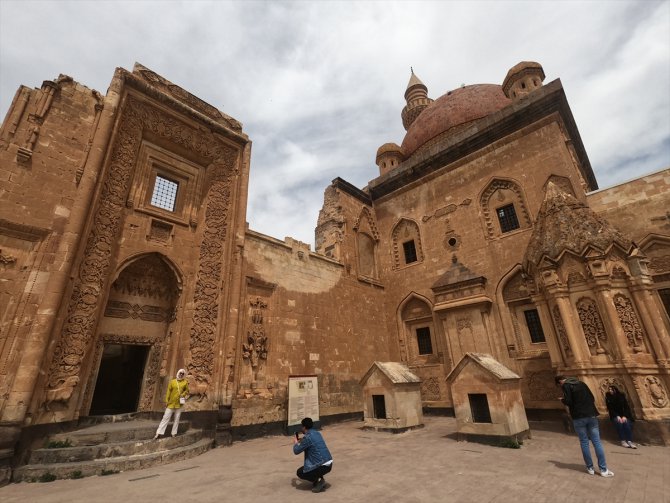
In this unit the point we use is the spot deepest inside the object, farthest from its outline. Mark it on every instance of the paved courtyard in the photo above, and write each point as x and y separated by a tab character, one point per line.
417	466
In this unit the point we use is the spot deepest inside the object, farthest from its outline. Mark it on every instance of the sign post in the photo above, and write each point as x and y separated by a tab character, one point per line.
303	401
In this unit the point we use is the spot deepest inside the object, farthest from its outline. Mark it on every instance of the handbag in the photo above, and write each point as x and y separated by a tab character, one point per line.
182	399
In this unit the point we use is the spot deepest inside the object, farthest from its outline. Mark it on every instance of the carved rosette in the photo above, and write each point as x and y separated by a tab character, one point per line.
630	323
592	324
93	273
560	330
656	391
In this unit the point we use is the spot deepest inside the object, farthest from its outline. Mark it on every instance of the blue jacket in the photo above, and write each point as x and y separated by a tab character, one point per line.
316	452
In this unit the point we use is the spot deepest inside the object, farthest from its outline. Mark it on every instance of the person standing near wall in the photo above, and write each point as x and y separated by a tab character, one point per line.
578	398
620	415
175	398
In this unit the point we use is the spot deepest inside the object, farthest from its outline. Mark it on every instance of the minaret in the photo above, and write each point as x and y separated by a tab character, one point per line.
417	99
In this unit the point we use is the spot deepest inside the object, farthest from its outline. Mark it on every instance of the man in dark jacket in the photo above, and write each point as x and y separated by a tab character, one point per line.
578	398
318	460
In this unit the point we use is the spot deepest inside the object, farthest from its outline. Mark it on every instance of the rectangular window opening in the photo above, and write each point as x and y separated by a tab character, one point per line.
665	299
534	326
423	340
379	406
165	193
507	218
410	251
479	405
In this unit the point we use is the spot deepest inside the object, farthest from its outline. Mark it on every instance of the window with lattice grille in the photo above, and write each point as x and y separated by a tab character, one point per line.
534	326
507	218
165	193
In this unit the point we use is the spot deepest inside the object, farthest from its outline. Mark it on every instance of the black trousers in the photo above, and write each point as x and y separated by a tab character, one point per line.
314	475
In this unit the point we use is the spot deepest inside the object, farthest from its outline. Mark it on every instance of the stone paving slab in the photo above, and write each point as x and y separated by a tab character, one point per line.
416	466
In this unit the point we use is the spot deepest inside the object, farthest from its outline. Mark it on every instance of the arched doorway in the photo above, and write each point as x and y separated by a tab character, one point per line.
133	336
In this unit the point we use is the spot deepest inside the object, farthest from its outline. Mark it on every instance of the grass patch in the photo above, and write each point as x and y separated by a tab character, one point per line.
108	472
58	444
46	477
511	443
77	475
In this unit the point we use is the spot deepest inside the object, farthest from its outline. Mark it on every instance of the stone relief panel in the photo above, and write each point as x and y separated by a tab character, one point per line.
612	381
94	269
630	323
541	386
430	389
656	391
592	324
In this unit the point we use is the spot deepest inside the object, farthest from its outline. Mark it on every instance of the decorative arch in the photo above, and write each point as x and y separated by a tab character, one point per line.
500	193
406	237
176	270
366	222
416	329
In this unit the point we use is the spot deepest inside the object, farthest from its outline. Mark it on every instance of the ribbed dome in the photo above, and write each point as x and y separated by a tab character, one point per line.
457	107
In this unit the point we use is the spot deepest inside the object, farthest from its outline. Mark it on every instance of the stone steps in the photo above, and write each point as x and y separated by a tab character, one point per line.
110	447
111	450
106	466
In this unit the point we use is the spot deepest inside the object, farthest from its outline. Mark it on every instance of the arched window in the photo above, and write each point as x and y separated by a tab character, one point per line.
503	208
406	241
419	330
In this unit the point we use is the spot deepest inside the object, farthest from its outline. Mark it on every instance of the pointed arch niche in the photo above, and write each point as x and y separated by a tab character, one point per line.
367	239
406	239
418	336
134	336
503	208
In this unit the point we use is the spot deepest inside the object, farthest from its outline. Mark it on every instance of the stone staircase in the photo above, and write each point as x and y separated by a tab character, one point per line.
110	447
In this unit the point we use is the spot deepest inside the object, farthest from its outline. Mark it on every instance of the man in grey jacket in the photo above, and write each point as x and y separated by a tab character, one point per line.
578	398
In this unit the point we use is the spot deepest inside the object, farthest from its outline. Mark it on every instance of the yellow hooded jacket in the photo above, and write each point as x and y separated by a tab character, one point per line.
176	389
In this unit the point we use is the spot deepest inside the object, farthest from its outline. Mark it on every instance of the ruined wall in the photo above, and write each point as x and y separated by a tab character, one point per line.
45	143
316	319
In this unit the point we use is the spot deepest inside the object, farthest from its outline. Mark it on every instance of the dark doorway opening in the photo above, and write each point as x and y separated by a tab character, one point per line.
117	389
379	406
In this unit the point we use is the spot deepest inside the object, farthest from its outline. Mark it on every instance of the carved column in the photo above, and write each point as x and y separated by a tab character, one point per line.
573	330
611	319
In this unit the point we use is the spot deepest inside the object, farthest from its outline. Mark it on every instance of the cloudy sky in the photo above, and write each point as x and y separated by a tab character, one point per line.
319	86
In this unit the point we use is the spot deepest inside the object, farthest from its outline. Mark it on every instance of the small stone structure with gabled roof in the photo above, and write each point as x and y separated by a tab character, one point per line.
391	397
487	399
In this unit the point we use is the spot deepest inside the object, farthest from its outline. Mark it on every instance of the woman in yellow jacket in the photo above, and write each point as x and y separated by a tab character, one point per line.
175	397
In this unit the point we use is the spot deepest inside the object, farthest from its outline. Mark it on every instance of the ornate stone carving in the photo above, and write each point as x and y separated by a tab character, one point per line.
365	215
592	324
118	309
403	231
185	97
487	210
611	381
656	391
93	272
659	265
6	259
256	348
541	385
560	330
145	278
160	231
430	389
630	323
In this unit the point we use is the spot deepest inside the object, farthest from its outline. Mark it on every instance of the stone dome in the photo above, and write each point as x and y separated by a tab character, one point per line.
389	148
455	108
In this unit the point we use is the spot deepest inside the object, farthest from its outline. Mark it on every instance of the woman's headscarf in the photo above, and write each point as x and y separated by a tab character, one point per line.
181	373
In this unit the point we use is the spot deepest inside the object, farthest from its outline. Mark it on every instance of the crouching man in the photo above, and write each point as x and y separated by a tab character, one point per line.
318	460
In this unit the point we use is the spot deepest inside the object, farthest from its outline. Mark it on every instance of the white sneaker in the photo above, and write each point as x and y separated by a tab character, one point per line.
607	473
624	444
590	471
632	445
